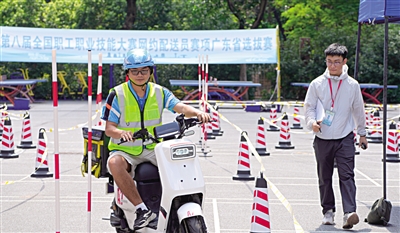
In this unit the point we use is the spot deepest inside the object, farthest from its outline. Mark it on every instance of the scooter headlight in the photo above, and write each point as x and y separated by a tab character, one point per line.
183	152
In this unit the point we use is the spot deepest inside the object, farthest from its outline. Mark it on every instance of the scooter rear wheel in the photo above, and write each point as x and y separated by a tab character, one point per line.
193	224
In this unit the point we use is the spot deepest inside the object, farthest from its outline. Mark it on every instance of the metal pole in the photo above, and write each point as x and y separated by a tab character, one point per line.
385	66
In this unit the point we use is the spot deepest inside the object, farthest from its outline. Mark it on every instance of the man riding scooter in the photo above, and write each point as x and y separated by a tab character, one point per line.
131	106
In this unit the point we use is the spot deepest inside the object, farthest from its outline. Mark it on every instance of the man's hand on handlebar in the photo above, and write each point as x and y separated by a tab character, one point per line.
203	117
126	136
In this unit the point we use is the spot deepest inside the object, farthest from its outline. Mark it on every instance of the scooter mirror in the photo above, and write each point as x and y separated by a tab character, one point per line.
166	130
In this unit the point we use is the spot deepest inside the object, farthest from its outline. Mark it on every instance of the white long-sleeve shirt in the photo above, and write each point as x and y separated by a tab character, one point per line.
348	105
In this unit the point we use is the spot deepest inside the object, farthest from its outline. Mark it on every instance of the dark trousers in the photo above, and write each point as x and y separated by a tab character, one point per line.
343	150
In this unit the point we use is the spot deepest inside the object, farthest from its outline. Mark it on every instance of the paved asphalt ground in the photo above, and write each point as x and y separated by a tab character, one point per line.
28	205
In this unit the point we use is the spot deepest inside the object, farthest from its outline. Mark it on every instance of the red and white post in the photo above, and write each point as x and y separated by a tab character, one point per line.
99	91
89	194
203	99
56	140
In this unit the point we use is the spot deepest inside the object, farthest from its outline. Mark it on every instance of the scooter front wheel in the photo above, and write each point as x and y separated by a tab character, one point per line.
193	224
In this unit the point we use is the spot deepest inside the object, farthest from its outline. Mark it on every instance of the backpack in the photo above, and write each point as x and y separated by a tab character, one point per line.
380	212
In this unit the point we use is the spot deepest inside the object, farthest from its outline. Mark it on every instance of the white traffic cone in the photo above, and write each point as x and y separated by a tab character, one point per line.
216	129
284	135
296	119
26	136
7	144
261	142
41	166
273	117
260	220
209	132
243	171
375	135
3	116
392	147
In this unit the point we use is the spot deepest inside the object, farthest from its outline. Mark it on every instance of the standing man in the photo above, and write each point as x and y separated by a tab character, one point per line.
334	108
131	106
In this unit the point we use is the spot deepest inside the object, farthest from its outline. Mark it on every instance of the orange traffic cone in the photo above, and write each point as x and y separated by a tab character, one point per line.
41	167
284	136
261	142
260	221
7	144
26	136
243	171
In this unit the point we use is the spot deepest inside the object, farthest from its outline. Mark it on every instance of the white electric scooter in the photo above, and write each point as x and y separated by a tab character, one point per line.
174	191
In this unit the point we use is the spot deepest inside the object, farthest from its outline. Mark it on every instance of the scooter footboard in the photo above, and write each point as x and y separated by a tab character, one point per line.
189	210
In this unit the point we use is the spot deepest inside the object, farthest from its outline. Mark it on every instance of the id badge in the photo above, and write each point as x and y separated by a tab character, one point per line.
328	118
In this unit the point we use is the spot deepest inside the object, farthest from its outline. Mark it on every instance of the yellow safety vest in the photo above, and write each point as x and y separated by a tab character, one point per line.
132	119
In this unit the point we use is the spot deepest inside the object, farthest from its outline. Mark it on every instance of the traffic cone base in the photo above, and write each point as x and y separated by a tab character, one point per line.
374	140
243	175
392	159
217	133
26	145
296	126
284	145
262	152
8	155
42	172
210	136
272	128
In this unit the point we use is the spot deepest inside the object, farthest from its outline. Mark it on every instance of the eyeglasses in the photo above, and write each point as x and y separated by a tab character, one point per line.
136	72
336	63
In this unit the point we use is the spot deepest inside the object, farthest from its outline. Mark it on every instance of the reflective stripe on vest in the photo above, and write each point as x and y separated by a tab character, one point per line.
131	116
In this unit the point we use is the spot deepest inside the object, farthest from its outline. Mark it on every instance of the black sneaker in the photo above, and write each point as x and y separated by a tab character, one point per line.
143	217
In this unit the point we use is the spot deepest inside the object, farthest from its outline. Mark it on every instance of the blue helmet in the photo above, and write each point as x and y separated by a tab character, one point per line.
136	58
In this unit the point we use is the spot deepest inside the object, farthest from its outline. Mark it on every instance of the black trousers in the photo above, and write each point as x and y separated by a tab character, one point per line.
343	150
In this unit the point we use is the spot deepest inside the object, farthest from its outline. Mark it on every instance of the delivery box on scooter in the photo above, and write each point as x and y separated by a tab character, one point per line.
100	152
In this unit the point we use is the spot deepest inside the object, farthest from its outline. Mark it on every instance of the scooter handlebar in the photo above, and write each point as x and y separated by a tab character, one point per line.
178	127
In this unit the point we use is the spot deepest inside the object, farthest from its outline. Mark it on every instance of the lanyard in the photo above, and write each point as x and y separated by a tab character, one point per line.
330	88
